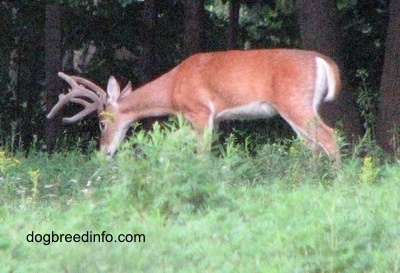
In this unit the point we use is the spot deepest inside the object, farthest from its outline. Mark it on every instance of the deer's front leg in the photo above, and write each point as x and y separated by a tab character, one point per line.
203	125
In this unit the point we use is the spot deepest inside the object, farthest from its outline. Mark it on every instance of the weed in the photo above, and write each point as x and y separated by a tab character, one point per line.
6	162
34	177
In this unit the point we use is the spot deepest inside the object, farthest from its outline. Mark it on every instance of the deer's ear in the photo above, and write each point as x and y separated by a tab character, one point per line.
113	90
126	91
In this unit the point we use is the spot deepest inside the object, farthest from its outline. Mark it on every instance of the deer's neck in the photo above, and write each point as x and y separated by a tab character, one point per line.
152	99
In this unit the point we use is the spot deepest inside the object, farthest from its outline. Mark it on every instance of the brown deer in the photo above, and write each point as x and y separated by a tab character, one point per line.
207	88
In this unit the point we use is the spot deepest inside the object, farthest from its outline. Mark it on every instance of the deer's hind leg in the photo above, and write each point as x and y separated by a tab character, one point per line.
318	135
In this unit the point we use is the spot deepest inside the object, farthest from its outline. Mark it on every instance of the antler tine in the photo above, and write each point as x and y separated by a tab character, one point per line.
99	91
61	102
73	96
88	108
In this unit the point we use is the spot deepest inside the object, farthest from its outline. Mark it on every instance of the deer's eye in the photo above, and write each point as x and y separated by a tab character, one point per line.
102	125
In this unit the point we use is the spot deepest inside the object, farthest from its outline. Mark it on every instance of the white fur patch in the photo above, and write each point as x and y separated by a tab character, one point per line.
117	139
253	110
211	119
324	83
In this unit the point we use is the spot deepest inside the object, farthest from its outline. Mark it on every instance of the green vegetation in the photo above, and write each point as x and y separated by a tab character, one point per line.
281	209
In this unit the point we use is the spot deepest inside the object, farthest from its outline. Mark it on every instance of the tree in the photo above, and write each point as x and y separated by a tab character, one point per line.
388	120
147	58
29	62
52	66
319	30
234	9
193	33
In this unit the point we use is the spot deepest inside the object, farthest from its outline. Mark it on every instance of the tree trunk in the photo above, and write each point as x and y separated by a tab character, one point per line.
52	66
29	48
234	9
319	30
388	121
25	98
147	58
194	31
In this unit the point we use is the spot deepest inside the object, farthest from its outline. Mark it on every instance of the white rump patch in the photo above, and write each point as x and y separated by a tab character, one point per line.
324	83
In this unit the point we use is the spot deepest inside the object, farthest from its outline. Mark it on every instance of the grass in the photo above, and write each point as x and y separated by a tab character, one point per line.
280	210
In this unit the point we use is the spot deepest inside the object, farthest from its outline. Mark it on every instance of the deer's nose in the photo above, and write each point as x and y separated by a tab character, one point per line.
110	151
105	150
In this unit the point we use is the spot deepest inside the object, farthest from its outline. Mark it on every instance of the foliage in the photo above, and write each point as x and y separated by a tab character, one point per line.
367	102
268	26
281	210
364	32
6	162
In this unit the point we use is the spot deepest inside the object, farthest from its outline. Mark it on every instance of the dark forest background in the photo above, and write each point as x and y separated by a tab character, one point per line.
140	40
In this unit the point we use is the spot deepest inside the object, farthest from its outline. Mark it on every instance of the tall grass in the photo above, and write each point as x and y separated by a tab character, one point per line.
282	209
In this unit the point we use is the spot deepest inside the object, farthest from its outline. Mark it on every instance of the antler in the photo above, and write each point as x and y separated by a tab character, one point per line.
80	88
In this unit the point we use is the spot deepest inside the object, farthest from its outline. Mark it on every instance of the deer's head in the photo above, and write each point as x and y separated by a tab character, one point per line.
112	121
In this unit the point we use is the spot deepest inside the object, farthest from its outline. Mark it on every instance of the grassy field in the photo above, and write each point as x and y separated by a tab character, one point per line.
280	210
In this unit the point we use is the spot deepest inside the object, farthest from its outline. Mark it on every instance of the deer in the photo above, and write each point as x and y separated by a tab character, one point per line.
207	88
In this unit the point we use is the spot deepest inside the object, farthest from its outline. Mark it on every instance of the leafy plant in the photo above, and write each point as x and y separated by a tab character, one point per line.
367	101
6	162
